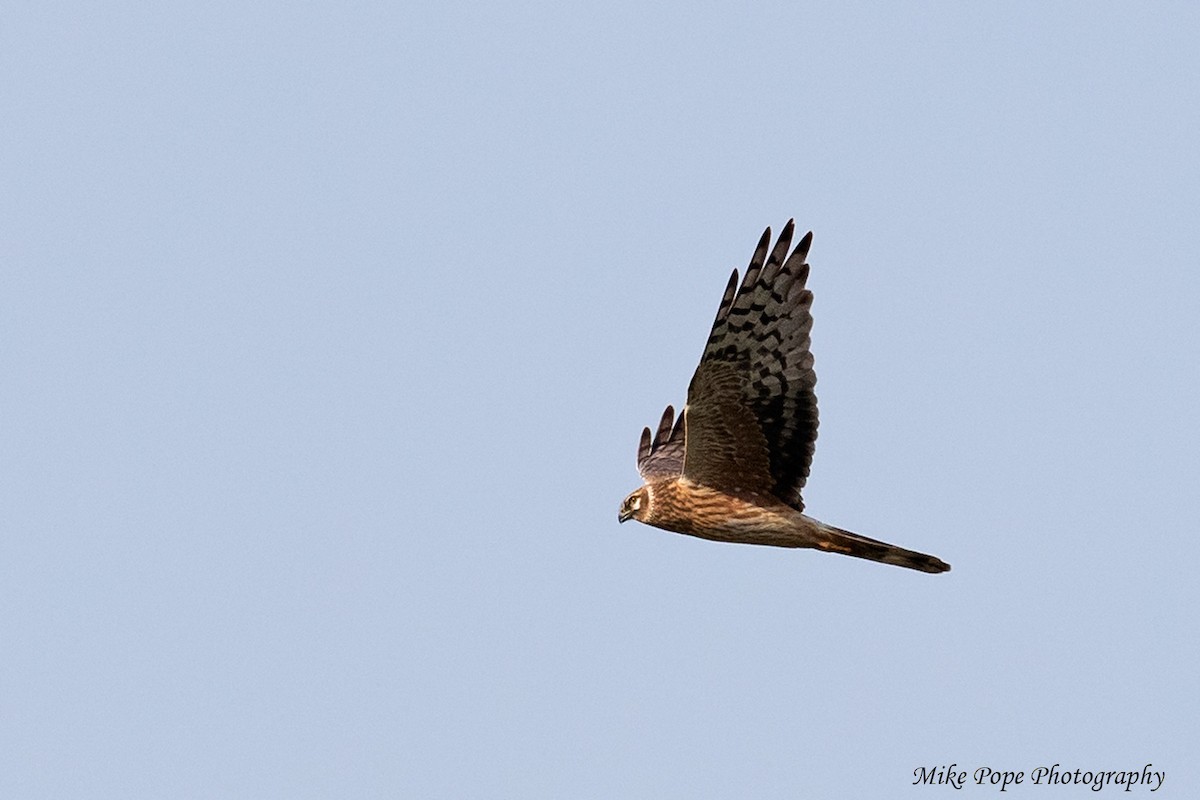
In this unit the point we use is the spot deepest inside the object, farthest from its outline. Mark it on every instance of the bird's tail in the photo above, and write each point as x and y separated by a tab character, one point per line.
836	540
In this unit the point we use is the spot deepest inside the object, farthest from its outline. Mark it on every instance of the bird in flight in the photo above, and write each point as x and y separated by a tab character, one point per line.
732	467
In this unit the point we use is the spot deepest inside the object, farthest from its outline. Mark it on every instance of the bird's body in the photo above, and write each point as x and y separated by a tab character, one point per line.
732	467
683	506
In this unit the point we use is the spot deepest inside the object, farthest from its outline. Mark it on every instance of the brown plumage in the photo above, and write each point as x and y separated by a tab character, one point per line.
732	467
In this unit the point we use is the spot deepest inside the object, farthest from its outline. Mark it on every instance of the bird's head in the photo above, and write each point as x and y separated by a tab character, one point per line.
636	506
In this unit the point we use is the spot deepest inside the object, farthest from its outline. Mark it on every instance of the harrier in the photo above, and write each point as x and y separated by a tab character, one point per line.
732	466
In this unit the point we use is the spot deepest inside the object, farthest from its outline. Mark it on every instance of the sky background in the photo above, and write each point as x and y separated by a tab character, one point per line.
328	331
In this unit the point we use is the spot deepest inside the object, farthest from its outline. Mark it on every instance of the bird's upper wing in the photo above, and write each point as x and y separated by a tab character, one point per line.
751	419
661	456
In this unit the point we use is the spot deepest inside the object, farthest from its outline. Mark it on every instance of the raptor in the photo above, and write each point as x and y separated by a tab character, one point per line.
732	466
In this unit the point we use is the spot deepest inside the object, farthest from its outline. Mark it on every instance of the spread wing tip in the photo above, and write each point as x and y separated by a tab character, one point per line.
731	290
802	247
661	452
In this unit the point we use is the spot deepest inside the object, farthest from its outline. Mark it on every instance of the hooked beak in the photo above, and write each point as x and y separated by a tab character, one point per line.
623	515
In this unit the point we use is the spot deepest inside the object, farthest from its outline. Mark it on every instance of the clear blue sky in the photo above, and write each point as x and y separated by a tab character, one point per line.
328	334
